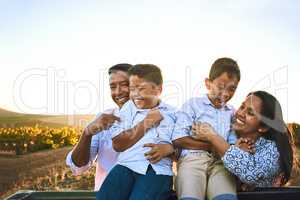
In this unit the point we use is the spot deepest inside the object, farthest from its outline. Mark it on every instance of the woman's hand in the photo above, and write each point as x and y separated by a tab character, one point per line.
158	151
203	131
246	144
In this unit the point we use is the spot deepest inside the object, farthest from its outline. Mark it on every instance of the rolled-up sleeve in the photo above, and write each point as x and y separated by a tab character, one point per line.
118	127
258	170
125	122
93	156
182	126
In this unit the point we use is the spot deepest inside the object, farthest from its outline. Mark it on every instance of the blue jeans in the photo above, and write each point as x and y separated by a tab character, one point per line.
124	184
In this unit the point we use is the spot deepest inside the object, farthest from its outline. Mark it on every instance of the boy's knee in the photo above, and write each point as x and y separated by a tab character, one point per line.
225	197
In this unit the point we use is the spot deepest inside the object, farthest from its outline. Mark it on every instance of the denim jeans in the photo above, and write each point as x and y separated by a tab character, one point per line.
124	184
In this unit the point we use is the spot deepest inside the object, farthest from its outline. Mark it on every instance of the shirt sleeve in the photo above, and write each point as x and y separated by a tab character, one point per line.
124	123
184	121
232	138
165	129
93	156
250	170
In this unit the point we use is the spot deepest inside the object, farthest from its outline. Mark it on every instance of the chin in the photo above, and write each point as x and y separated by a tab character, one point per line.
140	105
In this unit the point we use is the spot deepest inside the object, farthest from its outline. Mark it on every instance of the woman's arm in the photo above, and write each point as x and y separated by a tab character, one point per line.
253	169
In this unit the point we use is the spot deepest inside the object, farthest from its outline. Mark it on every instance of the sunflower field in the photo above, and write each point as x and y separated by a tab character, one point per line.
31	139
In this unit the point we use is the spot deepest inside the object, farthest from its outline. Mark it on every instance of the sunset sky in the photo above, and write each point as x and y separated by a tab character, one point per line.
54	54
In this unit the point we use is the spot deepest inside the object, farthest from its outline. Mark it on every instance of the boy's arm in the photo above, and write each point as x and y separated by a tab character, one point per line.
188	142
159	151
127	138
181	135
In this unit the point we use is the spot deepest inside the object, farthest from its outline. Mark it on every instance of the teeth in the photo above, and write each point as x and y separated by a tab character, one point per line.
121	98
239	121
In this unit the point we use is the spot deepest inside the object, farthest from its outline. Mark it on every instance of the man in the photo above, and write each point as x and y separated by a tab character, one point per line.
95	142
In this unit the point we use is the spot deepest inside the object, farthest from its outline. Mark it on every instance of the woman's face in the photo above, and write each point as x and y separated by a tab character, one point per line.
247	117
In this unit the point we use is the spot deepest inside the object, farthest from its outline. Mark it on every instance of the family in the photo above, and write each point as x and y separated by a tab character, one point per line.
218	150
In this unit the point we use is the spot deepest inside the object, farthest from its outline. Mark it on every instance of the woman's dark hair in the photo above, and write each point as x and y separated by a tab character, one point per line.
271	117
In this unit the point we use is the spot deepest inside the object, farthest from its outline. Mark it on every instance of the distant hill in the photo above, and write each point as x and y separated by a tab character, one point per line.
4	112
13	119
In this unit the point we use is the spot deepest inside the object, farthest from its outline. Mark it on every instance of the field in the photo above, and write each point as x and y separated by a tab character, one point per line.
43	170
39	164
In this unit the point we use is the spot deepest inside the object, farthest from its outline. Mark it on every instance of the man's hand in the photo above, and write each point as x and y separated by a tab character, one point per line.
153	118
101	123
158	151
246	144
202	131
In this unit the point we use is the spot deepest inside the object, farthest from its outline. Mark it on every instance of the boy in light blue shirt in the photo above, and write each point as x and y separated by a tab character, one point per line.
200	173
145	122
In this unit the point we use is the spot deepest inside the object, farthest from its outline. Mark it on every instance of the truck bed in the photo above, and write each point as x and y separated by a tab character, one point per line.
285	193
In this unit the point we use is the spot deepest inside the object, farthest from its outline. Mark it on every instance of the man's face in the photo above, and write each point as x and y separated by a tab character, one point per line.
221	89
119	87
144	94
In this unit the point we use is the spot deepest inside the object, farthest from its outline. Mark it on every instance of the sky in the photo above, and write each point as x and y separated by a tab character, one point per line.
54	55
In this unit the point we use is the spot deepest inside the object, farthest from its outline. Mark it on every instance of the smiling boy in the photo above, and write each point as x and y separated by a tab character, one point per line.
201	174
145	121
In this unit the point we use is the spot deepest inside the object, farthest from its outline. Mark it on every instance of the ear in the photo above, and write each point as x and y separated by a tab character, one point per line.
207	83
263	130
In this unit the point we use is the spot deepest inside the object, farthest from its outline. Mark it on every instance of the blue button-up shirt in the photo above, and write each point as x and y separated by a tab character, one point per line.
101	152
200	109
134	157
258	169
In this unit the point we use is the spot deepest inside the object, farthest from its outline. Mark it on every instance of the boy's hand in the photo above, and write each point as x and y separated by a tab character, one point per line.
246	144
101	123
202	131
153	118
158	151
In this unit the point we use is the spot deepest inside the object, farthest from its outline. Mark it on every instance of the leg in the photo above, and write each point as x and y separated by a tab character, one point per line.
191	176
221	183
117	185
152	186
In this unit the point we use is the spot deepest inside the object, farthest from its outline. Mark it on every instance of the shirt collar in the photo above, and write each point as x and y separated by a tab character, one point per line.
206	101
161	106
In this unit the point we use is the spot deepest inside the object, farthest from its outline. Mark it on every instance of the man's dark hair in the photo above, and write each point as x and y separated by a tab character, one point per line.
148	72
224	65
124	67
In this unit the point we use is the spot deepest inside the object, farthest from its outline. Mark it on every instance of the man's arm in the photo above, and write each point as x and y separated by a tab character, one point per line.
81	152
128	138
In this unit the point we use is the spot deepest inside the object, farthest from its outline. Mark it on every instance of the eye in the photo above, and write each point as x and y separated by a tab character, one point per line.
124	83
141	88
242	106
113	87
250	112
232	89
220	86
131	88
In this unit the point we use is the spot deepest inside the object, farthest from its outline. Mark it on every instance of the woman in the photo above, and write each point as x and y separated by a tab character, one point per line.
258	119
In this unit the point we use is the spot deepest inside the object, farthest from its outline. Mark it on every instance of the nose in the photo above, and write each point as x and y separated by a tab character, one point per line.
240	112
225	95
134	92
118	90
